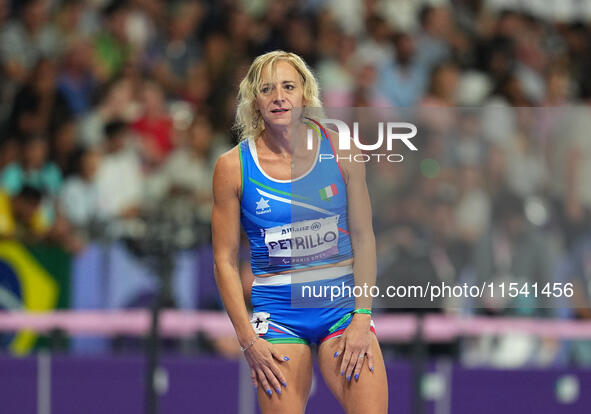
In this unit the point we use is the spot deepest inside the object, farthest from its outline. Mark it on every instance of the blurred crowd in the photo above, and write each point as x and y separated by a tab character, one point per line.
111	111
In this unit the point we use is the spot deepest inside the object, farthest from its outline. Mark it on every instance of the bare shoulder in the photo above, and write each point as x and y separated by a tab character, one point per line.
349	161
227	173
229	159
339	148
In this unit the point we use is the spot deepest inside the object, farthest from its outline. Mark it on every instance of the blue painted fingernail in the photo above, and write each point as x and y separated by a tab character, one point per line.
269	392
371	369
336	354
256	388
284	384
285	358
349	378
278	390
342	373
356	376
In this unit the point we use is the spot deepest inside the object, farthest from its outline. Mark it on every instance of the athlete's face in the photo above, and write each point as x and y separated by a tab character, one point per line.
280	96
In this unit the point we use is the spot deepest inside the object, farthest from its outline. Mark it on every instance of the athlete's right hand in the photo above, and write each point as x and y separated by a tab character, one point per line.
262	358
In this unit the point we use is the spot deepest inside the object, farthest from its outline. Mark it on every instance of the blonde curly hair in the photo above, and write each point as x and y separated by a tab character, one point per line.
248	122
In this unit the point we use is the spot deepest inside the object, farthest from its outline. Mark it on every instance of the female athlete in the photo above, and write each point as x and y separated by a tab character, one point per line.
308	221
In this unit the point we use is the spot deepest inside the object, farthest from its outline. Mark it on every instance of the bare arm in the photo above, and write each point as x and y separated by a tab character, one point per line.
362	236
356	340
225	224
359	214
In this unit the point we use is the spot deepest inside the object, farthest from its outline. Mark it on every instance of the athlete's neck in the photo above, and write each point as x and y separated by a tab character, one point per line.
285	140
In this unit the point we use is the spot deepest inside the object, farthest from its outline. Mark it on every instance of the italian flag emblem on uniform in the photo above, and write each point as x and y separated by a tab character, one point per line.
328	192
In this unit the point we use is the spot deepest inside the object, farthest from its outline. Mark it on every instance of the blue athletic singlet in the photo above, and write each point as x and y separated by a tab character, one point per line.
293	224
296	224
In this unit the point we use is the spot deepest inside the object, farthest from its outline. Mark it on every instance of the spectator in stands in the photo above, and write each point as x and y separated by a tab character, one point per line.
434	40
526	165
376	46
512	251
443	84
220	63
449	254
403	80
33	169
119	178
496	52
76	81
116	102
559	91
38	104
300	38
441	93
198	87
20	215
469	147
575	39
63	145
154	126
25	40
22	218
499	119
79	195
532	58
171	57
111	47
145	18
188	170
570	163
9	150
337	74
472	210
240	32
69	22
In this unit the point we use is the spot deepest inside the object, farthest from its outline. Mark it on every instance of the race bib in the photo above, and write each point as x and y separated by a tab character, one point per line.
303	241
259	322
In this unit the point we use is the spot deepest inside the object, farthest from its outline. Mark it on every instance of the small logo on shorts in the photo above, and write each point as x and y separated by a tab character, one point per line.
263	206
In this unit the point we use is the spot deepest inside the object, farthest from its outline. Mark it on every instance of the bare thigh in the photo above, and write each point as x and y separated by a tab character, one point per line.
298	376
369	394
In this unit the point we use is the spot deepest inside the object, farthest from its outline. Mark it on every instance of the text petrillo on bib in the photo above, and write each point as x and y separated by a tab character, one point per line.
303	241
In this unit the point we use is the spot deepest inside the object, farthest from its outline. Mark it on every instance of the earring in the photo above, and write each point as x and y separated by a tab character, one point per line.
255	121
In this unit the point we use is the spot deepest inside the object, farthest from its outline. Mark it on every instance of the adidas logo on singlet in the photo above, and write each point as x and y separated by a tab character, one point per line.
263	206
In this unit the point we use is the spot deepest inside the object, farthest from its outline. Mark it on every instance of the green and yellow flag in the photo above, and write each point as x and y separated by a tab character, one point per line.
34	279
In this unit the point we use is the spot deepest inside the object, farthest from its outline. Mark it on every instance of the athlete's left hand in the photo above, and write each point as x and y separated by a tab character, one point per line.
355	347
